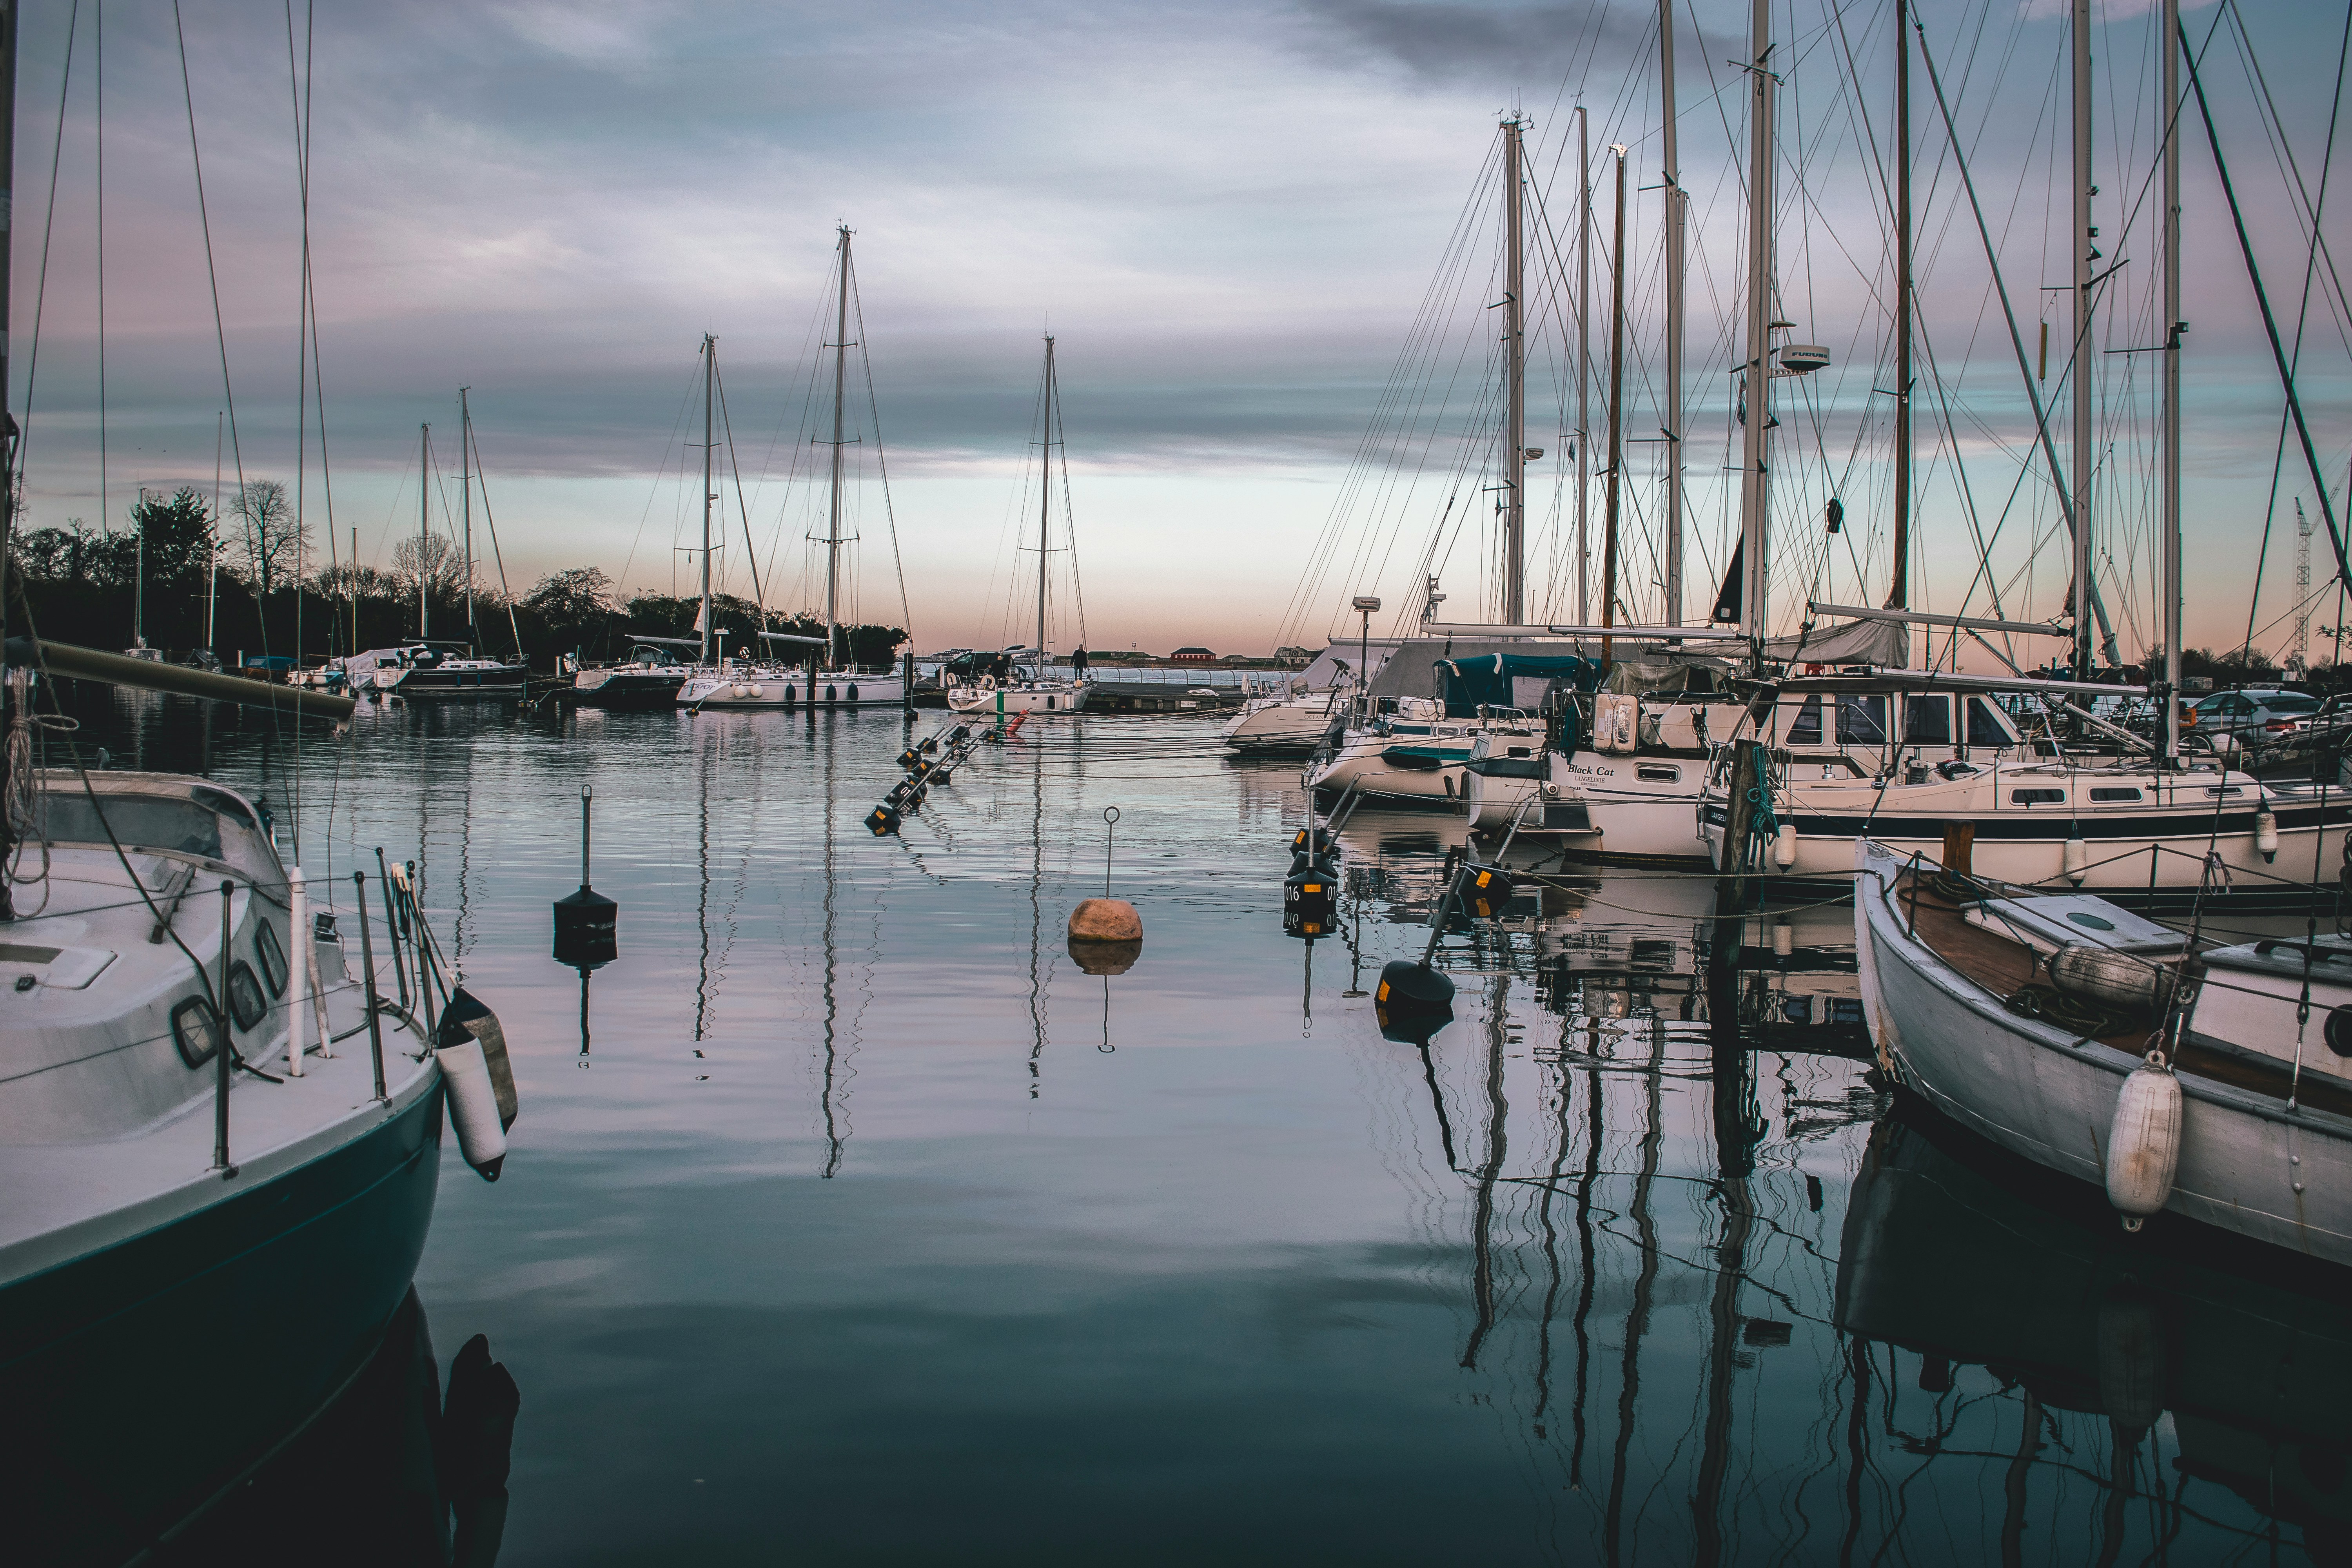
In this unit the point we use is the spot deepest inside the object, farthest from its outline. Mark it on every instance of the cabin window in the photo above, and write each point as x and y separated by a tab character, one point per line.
1517	750
139	821
273	959
1658	773
1926	720
1805	729
2233	789
245	1004
1860	720
194	1031
2113	797
1985	728
2037	797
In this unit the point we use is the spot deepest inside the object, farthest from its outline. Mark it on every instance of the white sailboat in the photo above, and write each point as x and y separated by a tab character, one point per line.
1039	692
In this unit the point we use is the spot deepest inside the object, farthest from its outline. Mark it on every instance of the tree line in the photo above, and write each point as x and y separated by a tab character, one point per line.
255	581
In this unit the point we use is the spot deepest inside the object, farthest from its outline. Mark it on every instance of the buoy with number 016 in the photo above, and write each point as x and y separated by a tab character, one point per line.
2143	1141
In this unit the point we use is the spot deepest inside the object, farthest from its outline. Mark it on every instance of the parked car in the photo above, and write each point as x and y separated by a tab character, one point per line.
2251	717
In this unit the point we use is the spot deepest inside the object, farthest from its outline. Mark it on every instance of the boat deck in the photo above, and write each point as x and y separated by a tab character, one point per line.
2004	967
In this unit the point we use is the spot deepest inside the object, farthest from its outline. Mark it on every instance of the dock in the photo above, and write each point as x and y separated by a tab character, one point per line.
1160	697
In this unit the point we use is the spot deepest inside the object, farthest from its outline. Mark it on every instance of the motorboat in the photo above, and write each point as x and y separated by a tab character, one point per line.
1001	699
213	1121
651	678
432	671
1286	725
1412	753
2204	1086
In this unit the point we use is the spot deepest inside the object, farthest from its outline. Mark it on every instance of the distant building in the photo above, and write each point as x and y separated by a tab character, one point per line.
1295	657
1191	656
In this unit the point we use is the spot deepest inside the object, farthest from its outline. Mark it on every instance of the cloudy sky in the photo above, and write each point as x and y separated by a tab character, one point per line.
1230	217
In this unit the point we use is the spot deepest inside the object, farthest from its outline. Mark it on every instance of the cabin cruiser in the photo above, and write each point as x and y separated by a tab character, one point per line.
1287	725
1416	750
204	1126
432	671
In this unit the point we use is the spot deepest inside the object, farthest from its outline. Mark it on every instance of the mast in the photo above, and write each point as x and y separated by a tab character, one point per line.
424	527
1677	205
1583	363
8	432
2085	253
710	371
1899	596
1616	413
1755	372
2168	520
465	487
1515	399
840	385
1044	496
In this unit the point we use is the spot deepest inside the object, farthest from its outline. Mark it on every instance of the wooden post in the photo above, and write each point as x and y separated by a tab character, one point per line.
907	685
1959	848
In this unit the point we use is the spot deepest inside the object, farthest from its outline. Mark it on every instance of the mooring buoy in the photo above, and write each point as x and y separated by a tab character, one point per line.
587	923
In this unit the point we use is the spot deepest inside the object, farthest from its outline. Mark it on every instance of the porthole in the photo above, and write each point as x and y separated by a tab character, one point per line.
273	959
196	1031
1658	773
246	1003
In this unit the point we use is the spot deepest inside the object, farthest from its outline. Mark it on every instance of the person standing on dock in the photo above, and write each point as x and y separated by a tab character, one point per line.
1078	664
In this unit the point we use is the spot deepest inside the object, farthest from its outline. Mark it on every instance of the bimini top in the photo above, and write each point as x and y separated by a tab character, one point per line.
1509	680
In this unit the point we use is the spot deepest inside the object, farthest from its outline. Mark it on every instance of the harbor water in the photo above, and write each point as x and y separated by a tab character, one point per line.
849	1219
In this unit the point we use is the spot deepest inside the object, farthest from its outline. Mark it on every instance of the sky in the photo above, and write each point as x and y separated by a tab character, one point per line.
1231	218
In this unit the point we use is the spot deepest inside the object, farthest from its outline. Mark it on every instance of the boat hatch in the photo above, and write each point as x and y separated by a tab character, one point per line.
67	968
2046	923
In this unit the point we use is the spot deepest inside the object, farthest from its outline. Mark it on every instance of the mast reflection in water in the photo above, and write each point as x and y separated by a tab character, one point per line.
1622	1263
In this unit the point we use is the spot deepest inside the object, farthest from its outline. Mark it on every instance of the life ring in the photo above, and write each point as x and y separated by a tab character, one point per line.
988	683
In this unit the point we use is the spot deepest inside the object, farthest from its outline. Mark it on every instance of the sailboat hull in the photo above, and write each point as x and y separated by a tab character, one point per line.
762	690
1003	701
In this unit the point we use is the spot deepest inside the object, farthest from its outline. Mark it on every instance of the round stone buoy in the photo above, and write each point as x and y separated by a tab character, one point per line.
1106	919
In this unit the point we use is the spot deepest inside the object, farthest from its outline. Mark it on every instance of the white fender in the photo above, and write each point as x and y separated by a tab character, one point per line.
300	949
1784	846
2077	860
2143	1141
2266	833
473	1107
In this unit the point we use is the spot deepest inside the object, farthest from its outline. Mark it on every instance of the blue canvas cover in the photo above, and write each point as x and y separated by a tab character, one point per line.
1489	679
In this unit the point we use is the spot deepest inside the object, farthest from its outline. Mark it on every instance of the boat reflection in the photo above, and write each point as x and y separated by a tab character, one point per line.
2162	1374
395	1474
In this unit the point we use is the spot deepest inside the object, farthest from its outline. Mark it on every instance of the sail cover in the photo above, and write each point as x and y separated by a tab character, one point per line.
1886	644
1509	680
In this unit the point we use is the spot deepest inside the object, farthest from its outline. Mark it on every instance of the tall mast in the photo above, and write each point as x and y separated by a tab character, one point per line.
840	390
8	432
710	374
2168	521
1616	412
1515	399
1044	496
1583	364
2085	253
424	527
466	485
1756	371
1898	597
1676	206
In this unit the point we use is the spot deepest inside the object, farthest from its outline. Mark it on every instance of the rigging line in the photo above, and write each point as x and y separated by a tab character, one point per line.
97	42
48	226
882	459
2246	46
2303	311
474	445
686	401
2262	298
727	427
2017	343
212	275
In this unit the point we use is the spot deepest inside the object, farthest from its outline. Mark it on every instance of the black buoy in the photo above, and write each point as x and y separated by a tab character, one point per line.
1407	988
1312	840
587	923
1411	1029
883	819
1485	890
908	758
1308	902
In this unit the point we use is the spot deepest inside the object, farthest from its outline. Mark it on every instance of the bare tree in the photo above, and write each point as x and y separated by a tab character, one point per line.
275	548
437	560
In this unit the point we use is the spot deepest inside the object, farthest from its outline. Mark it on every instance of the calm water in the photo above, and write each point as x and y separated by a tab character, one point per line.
849	1220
